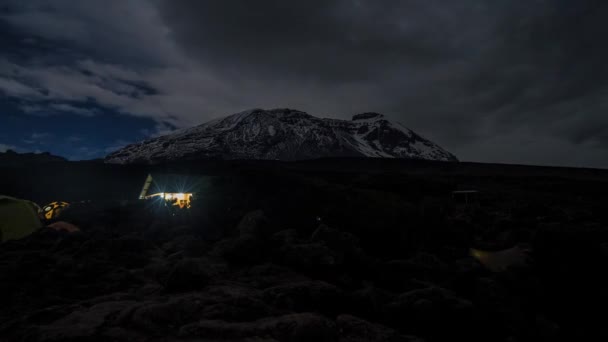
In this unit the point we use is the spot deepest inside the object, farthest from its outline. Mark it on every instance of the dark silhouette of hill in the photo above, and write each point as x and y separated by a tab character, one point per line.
11	157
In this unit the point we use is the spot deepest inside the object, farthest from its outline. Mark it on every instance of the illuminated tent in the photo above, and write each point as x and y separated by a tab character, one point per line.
54	209
18	218
498	261
178	190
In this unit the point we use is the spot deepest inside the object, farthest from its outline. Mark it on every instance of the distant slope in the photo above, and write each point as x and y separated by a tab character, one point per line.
13	158
284	134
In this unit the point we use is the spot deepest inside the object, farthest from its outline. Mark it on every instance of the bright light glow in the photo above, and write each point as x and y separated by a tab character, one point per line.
179	196
181	199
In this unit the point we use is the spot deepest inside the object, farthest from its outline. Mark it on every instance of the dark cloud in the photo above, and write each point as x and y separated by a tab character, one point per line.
328	40
111	32
461	71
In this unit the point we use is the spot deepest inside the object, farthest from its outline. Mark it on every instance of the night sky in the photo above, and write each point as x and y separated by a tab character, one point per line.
510	81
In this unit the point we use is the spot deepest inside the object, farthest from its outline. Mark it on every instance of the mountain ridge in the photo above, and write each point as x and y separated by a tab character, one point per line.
284	134
11	157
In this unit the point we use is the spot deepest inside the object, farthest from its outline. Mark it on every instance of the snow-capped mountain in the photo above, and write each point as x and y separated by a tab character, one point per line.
284	134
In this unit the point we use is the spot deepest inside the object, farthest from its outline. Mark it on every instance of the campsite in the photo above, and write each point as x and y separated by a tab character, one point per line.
303	171
321	250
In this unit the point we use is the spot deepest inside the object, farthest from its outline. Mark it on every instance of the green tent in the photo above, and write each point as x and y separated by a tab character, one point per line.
18	218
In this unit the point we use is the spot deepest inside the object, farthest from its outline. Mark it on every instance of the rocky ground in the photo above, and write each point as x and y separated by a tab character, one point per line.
311	257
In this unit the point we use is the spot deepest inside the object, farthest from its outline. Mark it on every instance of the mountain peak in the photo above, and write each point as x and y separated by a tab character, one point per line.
284	134
367	116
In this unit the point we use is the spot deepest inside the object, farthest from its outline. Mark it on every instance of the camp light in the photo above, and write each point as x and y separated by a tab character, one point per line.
179	198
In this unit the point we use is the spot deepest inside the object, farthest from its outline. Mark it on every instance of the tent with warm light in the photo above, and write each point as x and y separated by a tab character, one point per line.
176	190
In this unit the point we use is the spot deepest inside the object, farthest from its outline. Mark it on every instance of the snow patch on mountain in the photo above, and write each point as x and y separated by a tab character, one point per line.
271	131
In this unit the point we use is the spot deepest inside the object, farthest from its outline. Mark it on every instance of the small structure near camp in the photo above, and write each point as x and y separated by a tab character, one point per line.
175	190
466	196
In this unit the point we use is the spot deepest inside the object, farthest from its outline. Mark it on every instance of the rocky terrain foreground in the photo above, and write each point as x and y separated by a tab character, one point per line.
322	255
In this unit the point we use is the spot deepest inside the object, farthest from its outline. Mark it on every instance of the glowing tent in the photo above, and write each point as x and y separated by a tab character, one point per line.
176	190
18	218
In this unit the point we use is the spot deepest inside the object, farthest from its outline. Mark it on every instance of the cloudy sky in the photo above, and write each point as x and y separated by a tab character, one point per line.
512	81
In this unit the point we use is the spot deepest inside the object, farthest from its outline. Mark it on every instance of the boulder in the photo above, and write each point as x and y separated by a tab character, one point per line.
231	303
346	246
299	327
81	324
354	329
547	330
244	249
191	245
284	237
64	226
334	238
369	301
161	318
467	266
268	275
421	266
306	296
309	256
188	275
423	310
254	223
504	313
